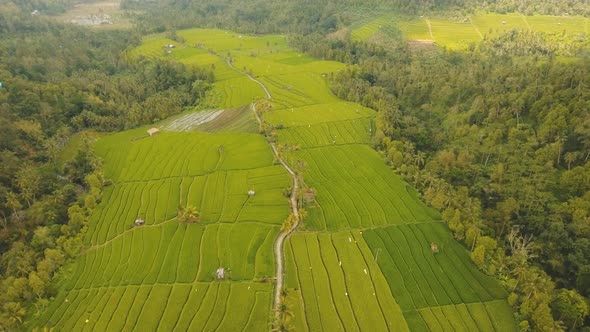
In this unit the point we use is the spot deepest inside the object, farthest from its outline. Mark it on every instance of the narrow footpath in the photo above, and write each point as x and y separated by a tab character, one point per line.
278	248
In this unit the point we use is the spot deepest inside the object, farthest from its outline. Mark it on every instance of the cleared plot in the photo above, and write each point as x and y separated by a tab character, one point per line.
179	154
418	278
357	131
318	114
366	31
181	307
341	286
454	35
239	120
190	121
355	189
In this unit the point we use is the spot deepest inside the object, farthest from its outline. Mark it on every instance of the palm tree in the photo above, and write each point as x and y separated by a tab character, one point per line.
570	157
189	214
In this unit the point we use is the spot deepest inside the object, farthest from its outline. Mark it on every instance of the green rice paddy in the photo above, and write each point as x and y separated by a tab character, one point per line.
361	260
459	34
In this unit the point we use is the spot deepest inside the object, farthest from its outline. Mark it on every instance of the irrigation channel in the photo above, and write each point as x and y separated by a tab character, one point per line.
278	247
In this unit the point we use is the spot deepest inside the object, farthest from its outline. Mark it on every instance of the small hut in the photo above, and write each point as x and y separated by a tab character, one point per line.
434	248
309	196
503	22
220	273
153	131
251	193
139	222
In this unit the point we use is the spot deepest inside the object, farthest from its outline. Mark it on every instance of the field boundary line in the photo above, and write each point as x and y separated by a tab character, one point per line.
475	27
525	21
268	95
338	256
331	287
406	264
188	296
429	265
371	273
413	256
429	28
303	309
96	246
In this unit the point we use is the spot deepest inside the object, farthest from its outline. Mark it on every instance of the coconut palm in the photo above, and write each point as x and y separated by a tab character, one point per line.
189	214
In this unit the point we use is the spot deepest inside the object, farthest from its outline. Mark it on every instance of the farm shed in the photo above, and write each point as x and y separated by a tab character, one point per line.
220	273
434	247
153	131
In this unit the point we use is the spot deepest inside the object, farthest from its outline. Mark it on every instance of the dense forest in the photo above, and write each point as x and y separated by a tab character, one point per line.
58	80
304	17
496	138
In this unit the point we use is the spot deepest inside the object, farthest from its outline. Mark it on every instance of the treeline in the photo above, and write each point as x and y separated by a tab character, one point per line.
58	80
305	17
518	42
501	146
545	7
258	16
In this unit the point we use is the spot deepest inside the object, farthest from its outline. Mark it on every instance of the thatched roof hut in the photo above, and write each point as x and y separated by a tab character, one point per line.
153	131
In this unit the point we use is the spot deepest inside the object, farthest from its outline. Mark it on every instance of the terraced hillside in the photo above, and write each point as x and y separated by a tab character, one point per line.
361	260
459	34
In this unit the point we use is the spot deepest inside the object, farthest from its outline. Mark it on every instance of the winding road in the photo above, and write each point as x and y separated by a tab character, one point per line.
278	247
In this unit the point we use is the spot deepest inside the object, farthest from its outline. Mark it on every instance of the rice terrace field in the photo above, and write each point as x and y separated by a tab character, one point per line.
360	260
458	34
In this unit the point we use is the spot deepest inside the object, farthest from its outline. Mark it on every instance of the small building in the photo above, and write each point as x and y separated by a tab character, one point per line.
503	22
220	273
169	46
35	13
434	247
153	131
139	222
251	193
309	196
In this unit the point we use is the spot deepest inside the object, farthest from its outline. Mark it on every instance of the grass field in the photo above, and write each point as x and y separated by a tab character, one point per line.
459	35
155	276
341	286
360	261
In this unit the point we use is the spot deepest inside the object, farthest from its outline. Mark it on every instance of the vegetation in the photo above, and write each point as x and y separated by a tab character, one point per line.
494	138
499	162
57	80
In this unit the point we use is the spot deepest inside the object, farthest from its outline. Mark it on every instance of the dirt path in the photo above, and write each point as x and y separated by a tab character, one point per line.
475	27
268	95
429	28
278	248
